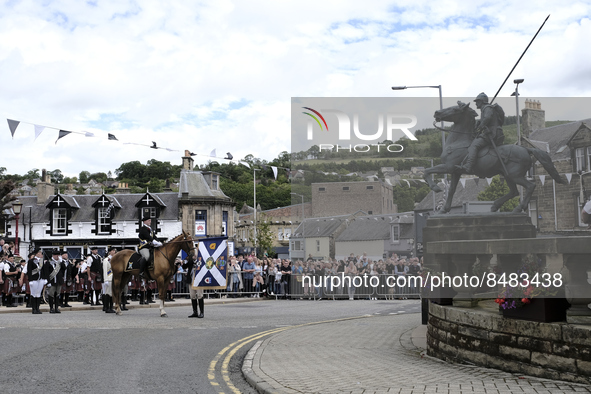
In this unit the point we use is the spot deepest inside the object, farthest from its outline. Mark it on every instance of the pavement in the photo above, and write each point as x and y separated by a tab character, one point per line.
374	354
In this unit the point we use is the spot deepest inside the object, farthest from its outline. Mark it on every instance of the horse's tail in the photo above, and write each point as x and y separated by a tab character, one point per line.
546	161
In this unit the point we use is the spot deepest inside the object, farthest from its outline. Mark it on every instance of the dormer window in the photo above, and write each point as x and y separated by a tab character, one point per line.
104	212
60	211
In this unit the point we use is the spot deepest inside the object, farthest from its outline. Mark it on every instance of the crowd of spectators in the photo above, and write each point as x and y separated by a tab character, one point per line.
249	276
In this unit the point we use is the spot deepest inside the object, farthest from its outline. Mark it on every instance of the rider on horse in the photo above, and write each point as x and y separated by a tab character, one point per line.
488	127
147	241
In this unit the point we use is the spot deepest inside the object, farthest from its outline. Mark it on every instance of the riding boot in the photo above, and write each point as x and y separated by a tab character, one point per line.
149	299
80	296
34	306
9	302
97	294
194	303
105	303
28	300
470	159
110	309
50	300
134	295
123	302
3	299
56	304
200	315
142	297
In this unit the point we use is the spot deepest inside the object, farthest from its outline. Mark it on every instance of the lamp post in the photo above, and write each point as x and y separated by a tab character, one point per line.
516	94
17	208
442	132
303	224
254	173
440	103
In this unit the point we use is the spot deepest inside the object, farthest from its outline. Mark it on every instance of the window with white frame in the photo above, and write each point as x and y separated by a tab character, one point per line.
588	158
580	159
60	218
533	212
104	221
396	233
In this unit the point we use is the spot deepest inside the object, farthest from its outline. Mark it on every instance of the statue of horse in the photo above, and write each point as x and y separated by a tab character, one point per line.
164	267
517	159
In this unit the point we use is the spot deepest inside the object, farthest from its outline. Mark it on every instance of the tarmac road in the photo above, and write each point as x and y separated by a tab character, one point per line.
139	352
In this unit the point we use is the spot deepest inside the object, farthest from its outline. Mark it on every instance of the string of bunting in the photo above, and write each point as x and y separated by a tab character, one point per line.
13	125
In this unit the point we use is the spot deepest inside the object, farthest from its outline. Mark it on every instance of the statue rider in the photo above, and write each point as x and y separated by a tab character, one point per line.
148	241
488	127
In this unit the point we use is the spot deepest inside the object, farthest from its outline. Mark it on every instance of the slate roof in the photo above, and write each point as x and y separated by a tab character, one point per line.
193	183
320	227
463	194
377	227
125	209
557	136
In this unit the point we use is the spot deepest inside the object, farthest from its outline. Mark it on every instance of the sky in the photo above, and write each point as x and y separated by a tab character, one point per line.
221	74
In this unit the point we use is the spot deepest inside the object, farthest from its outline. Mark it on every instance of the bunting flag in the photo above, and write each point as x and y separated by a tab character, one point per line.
12	125
212	154
38	130
88	134
112	137
569	176
542	179
274	171
463	182
62	134
245	164
489	180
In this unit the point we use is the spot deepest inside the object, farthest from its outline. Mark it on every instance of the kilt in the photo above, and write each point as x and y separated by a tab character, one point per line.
171	286
26	284
96	280
68	288
81	285
153	285
134	283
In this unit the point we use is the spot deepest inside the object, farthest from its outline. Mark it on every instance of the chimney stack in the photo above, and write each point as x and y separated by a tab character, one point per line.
533	117
188	161
44	188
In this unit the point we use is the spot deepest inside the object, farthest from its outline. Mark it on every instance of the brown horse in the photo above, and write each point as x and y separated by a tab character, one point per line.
164	268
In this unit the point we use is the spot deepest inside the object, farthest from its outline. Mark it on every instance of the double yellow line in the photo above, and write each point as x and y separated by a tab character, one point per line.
232	348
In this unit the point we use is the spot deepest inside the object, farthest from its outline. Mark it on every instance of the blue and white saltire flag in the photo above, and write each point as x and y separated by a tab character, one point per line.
211	270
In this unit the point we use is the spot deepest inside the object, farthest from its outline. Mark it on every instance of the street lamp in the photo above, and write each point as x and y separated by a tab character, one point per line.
516	94
254	173
303	223
442	132
440	104
17	208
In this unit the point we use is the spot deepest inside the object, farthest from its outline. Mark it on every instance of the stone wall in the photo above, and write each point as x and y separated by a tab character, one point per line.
549	350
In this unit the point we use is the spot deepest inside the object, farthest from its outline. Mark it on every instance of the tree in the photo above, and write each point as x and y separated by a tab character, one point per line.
264	236
57	175
99	177
6	198
496	190
33	174
84	176
131	170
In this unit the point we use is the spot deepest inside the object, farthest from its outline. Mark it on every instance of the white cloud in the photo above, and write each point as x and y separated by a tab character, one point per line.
221	75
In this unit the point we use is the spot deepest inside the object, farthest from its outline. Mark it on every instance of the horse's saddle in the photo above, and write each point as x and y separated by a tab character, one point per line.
134	262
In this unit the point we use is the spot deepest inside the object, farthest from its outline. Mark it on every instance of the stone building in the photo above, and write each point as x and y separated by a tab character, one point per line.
205	210
379	236
554	207
345	198
283	223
